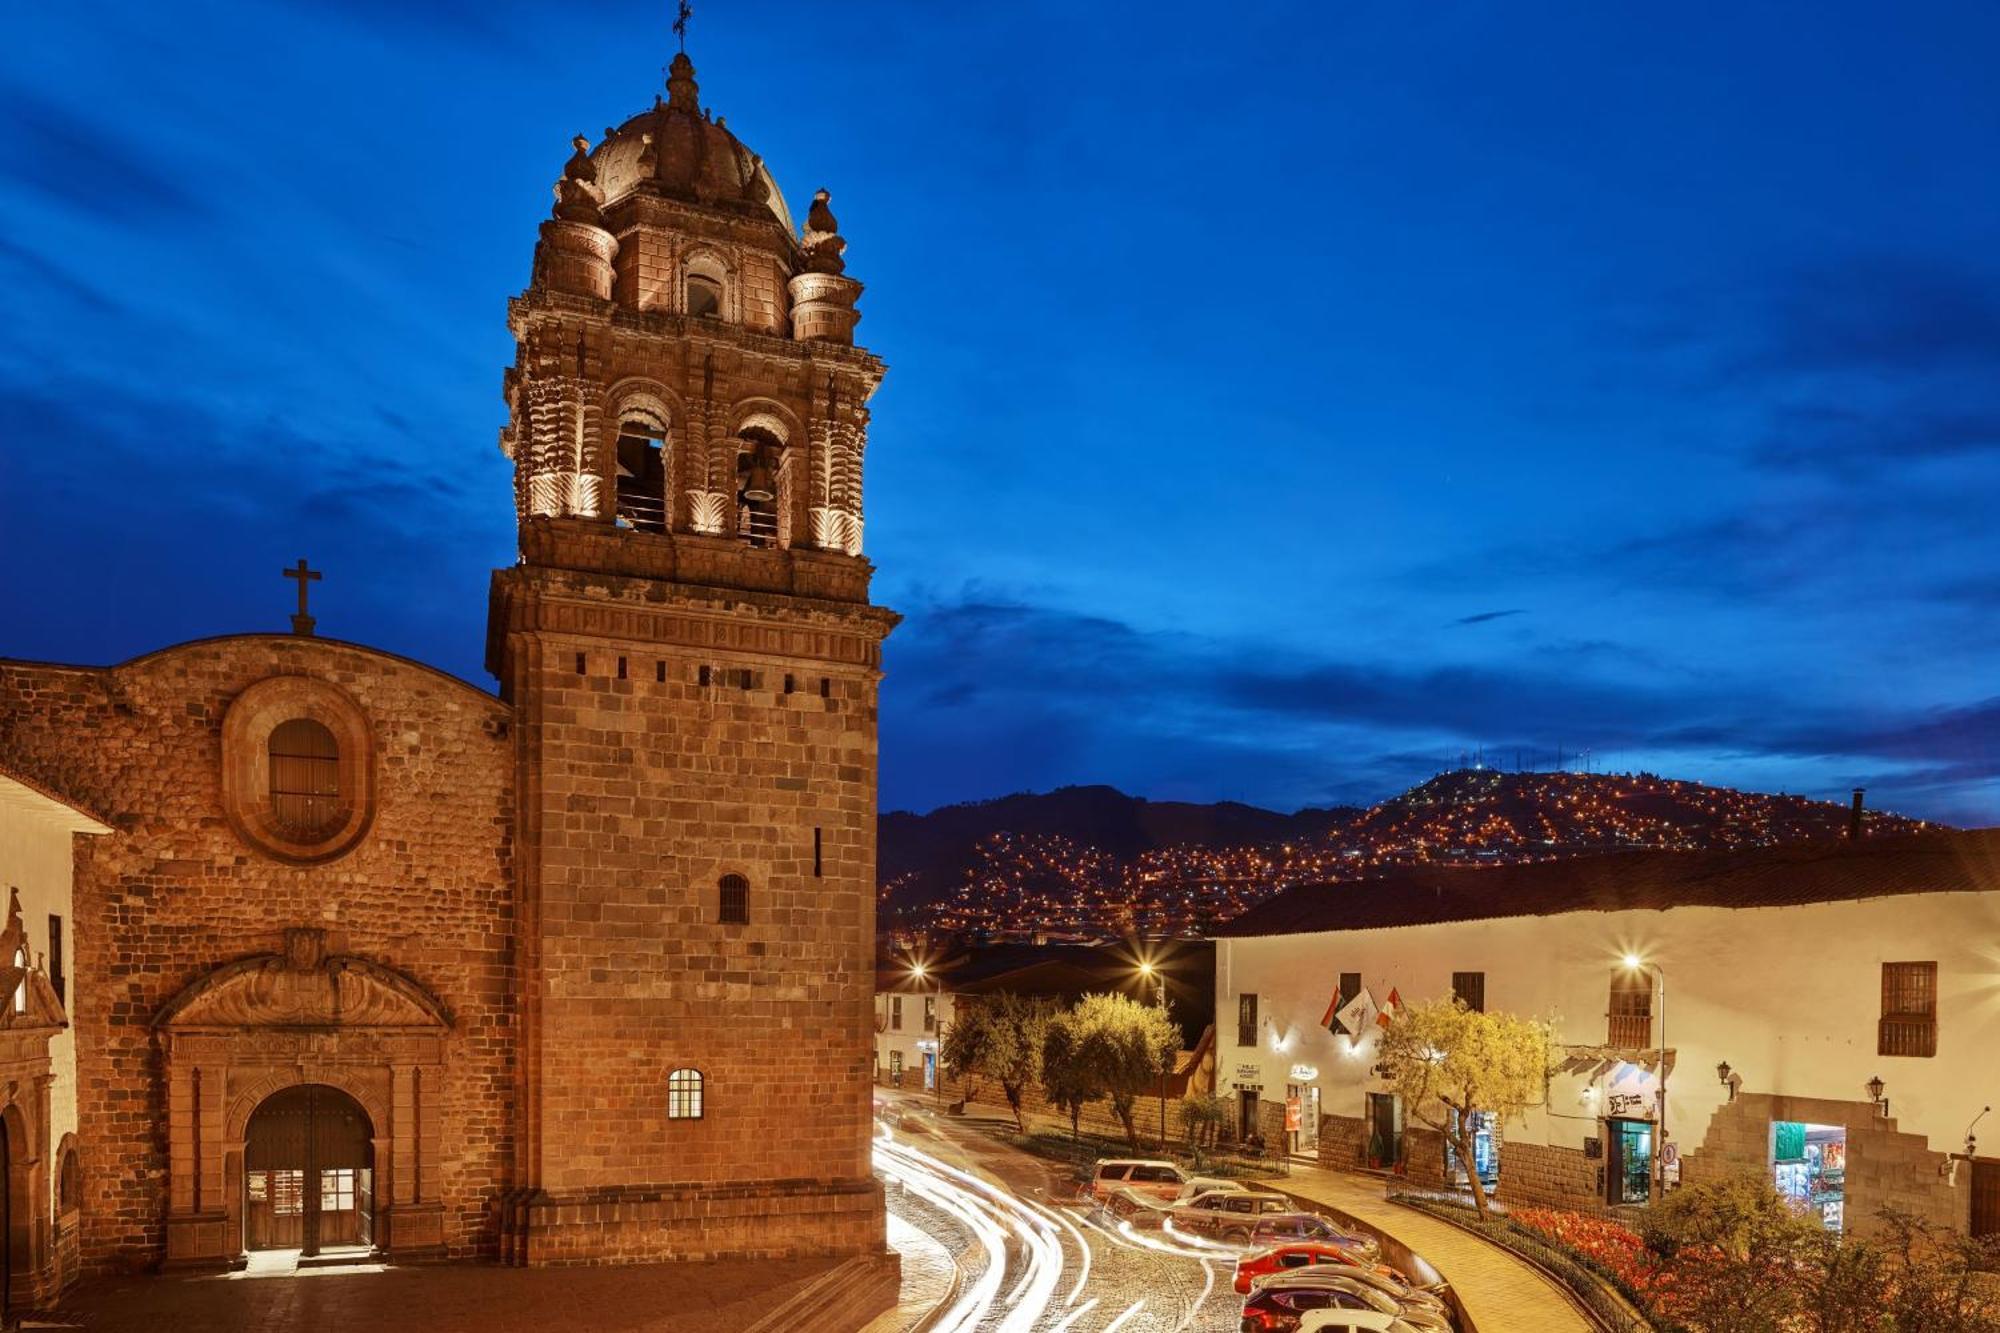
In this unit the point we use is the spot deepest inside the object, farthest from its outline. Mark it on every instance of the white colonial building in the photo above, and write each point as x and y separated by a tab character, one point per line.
1827	1013
38	1120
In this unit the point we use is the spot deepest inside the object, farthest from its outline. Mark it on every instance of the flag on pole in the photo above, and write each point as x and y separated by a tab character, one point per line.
1330	1020
1391	1007
1355	1015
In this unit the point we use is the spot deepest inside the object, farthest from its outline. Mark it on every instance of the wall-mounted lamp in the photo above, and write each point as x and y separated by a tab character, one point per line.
1729	1078
1876	1087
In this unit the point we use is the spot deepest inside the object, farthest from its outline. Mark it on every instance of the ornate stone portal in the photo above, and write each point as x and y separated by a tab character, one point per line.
272	1021
30	1014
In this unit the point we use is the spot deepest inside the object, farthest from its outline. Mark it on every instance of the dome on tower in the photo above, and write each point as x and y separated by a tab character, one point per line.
676	150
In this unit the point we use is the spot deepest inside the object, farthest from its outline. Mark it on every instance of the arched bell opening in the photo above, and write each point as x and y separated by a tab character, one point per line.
760	455
309	1172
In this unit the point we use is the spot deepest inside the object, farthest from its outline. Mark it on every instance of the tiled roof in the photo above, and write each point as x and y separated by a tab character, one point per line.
1640	881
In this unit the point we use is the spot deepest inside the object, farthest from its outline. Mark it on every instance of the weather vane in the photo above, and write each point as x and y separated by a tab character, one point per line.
681	24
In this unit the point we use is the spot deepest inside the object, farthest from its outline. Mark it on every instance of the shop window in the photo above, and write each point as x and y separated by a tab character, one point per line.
684	1095
1809	1168
1628	1168
1246	1019
1909	1010
305	779
896	1068
1631	1012
735	900
1469	988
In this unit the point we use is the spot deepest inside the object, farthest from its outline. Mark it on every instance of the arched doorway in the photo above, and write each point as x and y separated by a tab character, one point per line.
308	1172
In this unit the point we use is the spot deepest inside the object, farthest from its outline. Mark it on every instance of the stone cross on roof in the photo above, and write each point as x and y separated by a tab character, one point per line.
302	623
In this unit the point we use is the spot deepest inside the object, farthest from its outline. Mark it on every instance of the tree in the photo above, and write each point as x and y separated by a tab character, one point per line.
1201	1119
1129	1047
1014	1049
1067	1078
1449	1063
966	1050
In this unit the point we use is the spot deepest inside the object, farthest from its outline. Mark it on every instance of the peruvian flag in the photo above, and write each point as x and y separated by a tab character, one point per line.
1390	1007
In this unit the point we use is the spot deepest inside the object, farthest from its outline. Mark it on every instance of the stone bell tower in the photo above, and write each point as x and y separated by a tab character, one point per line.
692	660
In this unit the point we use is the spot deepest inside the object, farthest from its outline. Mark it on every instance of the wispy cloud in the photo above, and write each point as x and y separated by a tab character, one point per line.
1482	617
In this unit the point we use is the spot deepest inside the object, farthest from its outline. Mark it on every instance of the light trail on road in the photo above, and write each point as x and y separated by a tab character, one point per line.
1033	1267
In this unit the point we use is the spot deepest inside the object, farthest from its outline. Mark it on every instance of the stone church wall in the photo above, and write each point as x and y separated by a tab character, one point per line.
176	892
659	769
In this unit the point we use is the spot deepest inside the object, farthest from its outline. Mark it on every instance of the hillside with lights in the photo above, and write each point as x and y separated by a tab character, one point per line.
1091	863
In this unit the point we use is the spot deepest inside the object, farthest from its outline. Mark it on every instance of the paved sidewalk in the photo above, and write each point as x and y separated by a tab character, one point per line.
1501	1294
687	1298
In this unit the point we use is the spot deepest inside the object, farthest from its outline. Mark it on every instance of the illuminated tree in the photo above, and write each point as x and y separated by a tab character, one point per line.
1068	1081
1449	1063
966	1048
1129	1048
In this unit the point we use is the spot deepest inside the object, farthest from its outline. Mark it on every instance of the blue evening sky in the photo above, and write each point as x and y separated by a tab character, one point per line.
1284	398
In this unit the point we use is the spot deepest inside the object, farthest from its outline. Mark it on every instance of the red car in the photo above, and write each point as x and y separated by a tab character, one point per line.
1255	1265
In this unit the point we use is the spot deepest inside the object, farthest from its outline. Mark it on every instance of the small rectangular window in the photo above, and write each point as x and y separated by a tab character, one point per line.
826	687
660	672
1350	986
621	668
684	1095
790	683
930	1013
702	675
579	664
58	974
819	863
1470	988
896	1013
1909	1010
1246	1019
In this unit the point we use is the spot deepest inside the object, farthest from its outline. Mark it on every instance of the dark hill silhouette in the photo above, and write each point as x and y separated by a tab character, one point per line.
936	848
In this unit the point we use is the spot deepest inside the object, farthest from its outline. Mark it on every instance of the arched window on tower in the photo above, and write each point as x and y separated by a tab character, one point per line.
734	901
706	285
759	454
305	779
642	472
684	1095
21	991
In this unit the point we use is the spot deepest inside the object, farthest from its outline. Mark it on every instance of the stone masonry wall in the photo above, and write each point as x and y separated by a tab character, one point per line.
1886	1168
174	893
651	770
1549	1177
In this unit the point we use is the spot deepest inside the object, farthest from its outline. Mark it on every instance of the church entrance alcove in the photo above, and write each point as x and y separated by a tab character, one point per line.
308	1172
303	1098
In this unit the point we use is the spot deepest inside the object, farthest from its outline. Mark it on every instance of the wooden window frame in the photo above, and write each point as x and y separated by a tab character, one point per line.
687	1095
1628	1015
1469	988
733	900
1247	1021
1908	1026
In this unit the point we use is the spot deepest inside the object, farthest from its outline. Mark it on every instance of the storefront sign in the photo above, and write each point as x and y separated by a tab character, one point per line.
1249	1073
1631	1094
1304	1073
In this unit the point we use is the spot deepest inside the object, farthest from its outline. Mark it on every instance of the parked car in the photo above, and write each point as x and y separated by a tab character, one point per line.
1350	1321
1144	1176
1228	1215
1291	1227
1282	1309
1199	1185
1283	1258
1420	1309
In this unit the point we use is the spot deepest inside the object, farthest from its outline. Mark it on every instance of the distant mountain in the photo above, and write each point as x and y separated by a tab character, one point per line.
927	856
1091	862
1528	814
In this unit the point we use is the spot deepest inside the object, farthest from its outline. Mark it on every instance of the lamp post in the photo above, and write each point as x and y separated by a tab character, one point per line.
918	973
1634	963
1152	974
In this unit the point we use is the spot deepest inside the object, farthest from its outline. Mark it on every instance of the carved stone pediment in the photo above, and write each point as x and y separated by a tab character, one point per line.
304	987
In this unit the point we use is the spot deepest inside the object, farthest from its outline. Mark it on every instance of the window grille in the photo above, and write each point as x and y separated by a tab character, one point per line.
684	1095
1909	1010
735	900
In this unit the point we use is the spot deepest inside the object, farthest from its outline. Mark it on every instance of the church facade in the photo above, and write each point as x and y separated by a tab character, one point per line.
581	972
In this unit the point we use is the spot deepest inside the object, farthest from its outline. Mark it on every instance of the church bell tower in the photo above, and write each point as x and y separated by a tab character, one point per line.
692	660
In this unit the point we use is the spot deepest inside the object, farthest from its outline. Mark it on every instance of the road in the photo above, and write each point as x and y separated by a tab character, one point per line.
1031	1259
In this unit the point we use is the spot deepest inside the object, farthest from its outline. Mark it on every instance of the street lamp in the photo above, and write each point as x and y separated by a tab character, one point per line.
1152	974
1634	963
